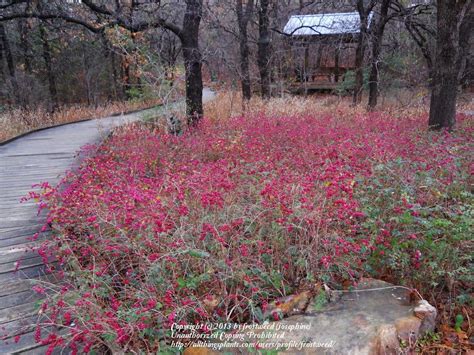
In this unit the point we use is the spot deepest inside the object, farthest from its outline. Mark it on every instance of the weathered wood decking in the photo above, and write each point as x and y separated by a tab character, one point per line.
37	157
40	156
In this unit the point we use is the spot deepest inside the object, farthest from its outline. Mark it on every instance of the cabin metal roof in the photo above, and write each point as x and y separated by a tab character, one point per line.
324	24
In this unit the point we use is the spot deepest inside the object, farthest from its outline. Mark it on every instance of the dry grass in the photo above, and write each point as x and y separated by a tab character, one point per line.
226	104
403	103
18	121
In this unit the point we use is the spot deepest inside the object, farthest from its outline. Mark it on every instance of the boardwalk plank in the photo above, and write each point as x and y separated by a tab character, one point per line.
19	232
18	312
19	255
20	264
19	298
26	273
19	326
17	286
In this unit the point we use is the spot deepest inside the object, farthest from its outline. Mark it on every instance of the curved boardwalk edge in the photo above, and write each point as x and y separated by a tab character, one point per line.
36	157
39	129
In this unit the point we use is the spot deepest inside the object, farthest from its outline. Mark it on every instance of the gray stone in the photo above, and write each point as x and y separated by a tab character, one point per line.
360	322
427	313
386	340
369	320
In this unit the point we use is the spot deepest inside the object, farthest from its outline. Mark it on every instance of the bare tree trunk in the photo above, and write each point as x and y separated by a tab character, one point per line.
422	42
127	77
450	17
135	52
377	39
243	19
374	74
87	80
264	43
465	32
123	64
25	46
360	50
118	87
192	60
111	70
10	63
2	76
359	70
53	92
123	75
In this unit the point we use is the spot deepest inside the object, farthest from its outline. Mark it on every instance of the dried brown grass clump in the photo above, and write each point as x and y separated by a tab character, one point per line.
229	104
18	121
400	104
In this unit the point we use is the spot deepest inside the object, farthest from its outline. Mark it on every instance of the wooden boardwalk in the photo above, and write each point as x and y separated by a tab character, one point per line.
37	157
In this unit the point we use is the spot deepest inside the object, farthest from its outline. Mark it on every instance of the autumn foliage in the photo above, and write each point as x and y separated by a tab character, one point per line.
213	225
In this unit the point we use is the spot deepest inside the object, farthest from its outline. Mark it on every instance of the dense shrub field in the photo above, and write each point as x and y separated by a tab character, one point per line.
214	224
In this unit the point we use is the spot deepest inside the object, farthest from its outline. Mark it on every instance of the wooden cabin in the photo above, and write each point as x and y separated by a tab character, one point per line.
321	50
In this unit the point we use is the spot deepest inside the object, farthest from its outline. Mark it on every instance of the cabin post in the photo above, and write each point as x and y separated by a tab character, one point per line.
336	65
305	66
